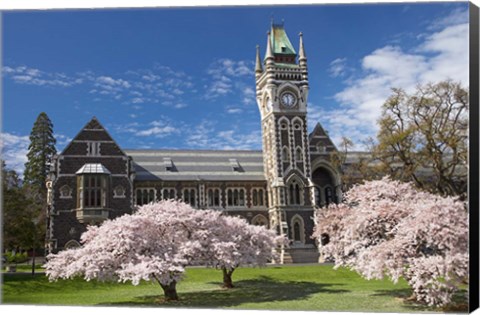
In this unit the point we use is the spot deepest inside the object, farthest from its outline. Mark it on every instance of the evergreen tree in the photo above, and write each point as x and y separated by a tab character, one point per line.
40	153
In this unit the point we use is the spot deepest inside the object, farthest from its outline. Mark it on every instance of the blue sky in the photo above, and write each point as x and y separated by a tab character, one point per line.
183	78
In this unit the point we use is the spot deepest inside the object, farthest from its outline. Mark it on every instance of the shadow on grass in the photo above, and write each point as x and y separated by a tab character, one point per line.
459	301
24	283
263	289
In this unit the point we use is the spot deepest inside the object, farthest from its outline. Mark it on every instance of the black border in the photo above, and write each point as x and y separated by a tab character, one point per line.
474	159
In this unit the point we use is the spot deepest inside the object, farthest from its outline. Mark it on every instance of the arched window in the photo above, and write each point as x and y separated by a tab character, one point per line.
295	193
213	195
318	196
260	220
168	193
299	155
296	232
230	198
254	198
257	197
236	197
298	229
285	154
145	196
189	196
72	244
329	197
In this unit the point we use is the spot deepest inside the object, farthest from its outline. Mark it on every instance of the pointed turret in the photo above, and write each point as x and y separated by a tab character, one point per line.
302	57
258	64
269	58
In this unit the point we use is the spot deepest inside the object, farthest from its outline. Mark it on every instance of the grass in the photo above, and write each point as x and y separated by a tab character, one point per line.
315	287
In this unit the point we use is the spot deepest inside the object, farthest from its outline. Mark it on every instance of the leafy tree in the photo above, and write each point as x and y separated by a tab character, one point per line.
40	153
155	243
386	228
18	210
423	137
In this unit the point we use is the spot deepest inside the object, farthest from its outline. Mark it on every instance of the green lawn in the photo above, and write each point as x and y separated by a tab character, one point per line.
316	287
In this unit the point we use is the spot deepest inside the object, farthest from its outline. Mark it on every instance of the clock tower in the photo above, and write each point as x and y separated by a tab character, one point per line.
281	94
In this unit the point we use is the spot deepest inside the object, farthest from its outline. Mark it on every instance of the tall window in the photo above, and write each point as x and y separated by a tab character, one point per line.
189	196
329	195
168	193
285	154
213	196
92	190
299	155
318	196
295	191
236	197
296	232
145	196
258	197
298	229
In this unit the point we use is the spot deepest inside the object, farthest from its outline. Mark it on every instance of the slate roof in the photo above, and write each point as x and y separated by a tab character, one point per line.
208	165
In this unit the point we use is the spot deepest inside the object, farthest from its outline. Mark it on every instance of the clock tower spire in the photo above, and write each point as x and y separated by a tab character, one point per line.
281	94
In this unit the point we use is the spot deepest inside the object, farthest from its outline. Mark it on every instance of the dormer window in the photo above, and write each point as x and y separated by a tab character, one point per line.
284	49
235	165
93	148
169	167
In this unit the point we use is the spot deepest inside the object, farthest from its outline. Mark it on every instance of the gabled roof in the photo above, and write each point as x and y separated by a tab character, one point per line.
280	42
92	126
192	165
317	131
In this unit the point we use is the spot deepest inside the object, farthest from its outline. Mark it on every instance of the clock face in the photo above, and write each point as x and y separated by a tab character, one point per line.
288	99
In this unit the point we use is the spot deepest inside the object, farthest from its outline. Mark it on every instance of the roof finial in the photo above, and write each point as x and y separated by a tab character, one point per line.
269	53
258	63
302	57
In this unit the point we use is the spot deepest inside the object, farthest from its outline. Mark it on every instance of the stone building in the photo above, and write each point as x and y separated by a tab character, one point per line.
93	179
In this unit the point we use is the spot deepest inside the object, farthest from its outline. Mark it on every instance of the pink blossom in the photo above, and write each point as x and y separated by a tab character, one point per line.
388	228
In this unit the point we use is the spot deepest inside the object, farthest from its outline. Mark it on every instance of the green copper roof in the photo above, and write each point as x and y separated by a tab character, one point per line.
280	42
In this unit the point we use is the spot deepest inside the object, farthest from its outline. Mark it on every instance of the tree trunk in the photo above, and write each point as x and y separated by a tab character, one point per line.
170	291
227	278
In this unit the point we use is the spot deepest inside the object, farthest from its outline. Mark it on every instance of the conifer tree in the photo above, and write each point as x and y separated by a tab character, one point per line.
40	153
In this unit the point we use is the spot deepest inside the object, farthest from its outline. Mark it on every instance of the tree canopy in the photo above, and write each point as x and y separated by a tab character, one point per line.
387	228
423	137
40	153
158	241
19	230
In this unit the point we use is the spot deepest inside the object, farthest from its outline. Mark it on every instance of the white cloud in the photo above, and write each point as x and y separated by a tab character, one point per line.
248	95
159	132
223	73
442	54
234	110
14	150
205	136
33	76
338	67
153	85
158	128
